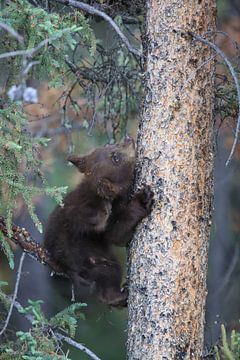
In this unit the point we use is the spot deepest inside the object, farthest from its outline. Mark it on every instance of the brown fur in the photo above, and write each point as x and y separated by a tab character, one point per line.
95	216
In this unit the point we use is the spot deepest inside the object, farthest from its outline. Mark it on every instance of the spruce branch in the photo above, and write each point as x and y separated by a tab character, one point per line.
30	53
93	11
59	336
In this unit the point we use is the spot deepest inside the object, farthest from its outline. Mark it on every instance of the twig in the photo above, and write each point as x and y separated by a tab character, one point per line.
13	53
191	76
29	66
12	32
59	336
14	294
77	345
234	75
234	43
73	294
31	52
19	307
91	10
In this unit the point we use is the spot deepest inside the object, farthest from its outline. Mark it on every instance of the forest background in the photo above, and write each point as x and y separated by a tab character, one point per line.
101	107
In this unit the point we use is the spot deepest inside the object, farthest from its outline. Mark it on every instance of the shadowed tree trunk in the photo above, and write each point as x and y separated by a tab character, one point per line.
168	256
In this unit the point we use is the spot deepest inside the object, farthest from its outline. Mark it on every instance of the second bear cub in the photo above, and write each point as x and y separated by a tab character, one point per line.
95	216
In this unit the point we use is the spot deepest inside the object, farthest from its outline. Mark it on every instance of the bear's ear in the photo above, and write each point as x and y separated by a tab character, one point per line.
79	161
106	189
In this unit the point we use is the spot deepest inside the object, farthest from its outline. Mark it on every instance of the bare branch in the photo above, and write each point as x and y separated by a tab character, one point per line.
77	345
59	336
14	294
12	32
191	76
29	66
91	10
235	78
13	53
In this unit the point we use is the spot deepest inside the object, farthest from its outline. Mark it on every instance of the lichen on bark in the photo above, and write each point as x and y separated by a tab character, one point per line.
168	255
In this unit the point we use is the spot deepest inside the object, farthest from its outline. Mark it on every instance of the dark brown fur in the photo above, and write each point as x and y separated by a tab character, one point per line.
95	216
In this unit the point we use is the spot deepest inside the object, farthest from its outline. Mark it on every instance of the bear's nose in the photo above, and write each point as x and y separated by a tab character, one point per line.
129	141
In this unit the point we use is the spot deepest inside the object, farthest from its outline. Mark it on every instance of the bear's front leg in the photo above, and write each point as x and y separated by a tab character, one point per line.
124	222
141	203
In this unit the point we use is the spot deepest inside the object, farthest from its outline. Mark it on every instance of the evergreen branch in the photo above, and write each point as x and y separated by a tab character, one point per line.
235	78
20	308
93	11
19	272
31	52
59	336
21	237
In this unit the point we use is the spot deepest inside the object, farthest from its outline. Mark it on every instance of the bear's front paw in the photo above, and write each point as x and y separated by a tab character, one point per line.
145	198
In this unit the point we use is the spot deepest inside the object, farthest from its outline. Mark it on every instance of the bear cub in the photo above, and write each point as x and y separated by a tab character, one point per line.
97	215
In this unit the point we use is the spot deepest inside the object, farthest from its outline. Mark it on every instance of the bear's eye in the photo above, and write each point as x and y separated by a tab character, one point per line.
116	157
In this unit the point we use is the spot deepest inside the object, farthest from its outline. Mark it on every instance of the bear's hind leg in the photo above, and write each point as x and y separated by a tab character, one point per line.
107	275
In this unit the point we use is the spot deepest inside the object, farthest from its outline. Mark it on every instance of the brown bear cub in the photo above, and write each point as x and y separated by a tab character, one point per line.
95	216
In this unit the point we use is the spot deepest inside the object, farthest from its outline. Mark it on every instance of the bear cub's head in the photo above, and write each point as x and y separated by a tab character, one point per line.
109	170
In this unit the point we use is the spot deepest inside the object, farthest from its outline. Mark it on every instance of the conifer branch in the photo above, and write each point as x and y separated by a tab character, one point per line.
60	336
93	11
22	237
29	53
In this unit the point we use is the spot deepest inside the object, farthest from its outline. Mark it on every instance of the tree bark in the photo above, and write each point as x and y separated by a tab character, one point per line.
168	255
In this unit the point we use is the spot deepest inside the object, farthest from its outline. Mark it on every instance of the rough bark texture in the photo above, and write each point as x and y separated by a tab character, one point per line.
168	256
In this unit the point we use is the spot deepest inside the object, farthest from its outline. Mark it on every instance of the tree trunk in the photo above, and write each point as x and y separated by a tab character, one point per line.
168	255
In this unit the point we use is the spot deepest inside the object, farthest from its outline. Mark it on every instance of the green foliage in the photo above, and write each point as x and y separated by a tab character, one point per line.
67	319
33	345
64	29
34	308
226	100
3	297
230	349
21	177
39	342
20	174
4	245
